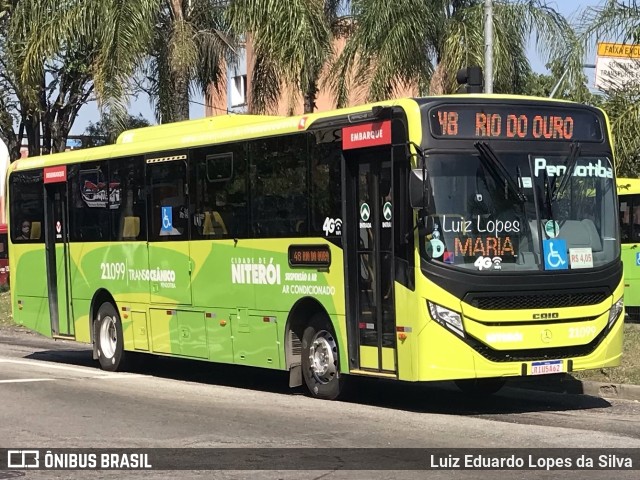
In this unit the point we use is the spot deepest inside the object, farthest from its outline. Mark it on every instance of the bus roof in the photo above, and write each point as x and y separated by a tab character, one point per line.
233	127
628	186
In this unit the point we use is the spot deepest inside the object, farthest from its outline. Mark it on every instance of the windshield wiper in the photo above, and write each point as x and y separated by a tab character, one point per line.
497	169
548	193
570	164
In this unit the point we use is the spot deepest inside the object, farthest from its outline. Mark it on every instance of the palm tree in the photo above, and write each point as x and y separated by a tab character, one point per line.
619	21
192	43
291	41
58	55
182	43
423	43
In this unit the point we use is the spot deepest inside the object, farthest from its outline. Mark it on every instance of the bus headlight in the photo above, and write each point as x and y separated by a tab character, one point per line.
615	311
447	318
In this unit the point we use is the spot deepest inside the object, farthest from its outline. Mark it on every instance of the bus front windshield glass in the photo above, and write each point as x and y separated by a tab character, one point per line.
510	211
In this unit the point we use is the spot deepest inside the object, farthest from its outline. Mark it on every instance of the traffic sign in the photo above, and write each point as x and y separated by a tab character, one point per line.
617	65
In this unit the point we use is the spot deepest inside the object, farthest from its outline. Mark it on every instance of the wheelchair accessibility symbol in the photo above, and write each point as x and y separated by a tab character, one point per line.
555	254
167	219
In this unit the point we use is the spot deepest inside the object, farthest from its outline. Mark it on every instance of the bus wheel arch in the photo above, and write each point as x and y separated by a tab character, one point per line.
313	350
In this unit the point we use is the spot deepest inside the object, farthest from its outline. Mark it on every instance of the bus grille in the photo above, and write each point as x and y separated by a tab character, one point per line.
535	354
538	300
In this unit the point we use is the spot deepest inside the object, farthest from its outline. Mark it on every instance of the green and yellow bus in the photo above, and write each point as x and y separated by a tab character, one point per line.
629	199
414	239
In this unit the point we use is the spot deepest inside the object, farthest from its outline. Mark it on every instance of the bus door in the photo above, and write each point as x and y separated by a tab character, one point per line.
369	257
169	256
56	238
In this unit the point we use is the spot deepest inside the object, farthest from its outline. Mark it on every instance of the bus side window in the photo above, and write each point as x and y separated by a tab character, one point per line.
169	207
625	221
218	193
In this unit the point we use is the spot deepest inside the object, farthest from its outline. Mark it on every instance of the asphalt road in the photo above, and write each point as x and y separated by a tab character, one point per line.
54	396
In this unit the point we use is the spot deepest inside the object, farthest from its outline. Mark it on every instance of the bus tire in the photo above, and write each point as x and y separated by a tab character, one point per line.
320	359
109	339
480	386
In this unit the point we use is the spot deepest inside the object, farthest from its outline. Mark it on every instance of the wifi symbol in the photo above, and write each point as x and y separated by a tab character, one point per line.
338	226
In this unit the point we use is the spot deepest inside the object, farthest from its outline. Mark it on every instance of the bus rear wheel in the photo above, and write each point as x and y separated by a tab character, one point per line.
109	339
320	359
480	386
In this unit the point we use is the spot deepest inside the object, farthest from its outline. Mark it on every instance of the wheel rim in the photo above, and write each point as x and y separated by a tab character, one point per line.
323	357
108	336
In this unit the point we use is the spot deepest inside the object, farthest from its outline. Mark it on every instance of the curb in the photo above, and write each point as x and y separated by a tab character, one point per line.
565	383
612	390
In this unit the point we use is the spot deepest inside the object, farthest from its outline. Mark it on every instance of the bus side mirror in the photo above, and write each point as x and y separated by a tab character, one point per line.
419	188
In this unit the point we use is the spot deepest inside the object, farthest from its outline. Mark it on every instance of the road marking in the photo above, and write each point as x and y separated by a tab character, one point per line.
24	380
84	370
48	365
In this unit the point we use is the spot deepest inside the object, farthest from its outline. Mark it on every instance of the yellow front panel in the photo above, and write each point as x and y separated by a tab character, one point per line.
444	355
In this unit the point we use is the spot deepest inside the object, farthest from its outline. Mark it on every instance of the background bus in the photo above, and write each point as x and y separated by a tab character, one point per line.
629	199
414	239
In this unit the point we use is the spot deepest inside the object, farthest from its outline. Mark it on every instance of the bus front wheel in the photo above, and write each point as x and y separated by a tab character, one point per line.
108	338
320	361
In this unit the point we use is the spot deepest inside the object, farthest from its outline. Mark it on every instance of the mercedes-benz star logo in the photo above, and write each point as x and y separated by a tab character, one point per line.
546	335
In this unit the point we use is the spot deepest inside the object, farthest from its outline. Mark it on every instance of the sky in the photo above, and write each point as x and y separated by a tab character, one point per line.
569	8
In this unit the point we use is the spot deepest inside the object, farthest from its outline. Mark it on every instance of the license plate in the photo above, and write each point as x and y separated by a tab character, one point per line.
546	367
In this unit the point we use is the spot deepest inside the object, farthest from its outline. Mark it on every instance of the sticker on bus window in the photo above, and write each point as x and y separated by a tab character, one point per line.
166	222
167	219
435	248
581	257
551	228
555	254
526	182
449	258
365	214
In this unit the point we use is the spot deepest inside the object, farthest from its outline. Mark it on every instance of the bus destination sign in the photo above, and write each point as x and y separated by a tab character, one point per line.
309	255
515	122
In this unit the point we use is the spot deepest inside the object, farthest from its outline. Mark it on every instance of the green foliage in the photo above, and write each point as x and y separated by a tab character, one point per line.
192	45
106	130
619	21
291	40
6	317
543	85
425	42
623	108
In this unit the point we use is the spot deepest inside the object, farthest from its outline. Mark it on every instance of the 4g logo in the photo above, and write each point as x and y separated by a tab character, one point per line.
485	263
332	226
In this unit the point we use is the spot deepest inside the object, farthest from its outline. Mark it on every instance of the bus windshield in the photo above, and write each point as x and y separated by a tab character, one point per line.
515	212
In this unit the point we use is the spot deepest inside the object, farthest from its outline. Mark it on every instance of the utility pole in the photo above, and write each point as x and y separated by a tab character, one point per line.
488	46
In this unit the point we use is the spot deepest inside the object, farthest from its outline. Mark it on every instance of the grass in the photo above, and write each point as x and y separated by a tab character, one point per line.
6	318
627	372
629	369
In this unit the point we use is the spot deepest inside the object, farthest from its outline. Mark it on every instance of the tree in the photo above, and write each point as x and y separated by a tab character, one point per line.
180	43
542	85
291	41
620	21
192	42
423	43
106	130
57	55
